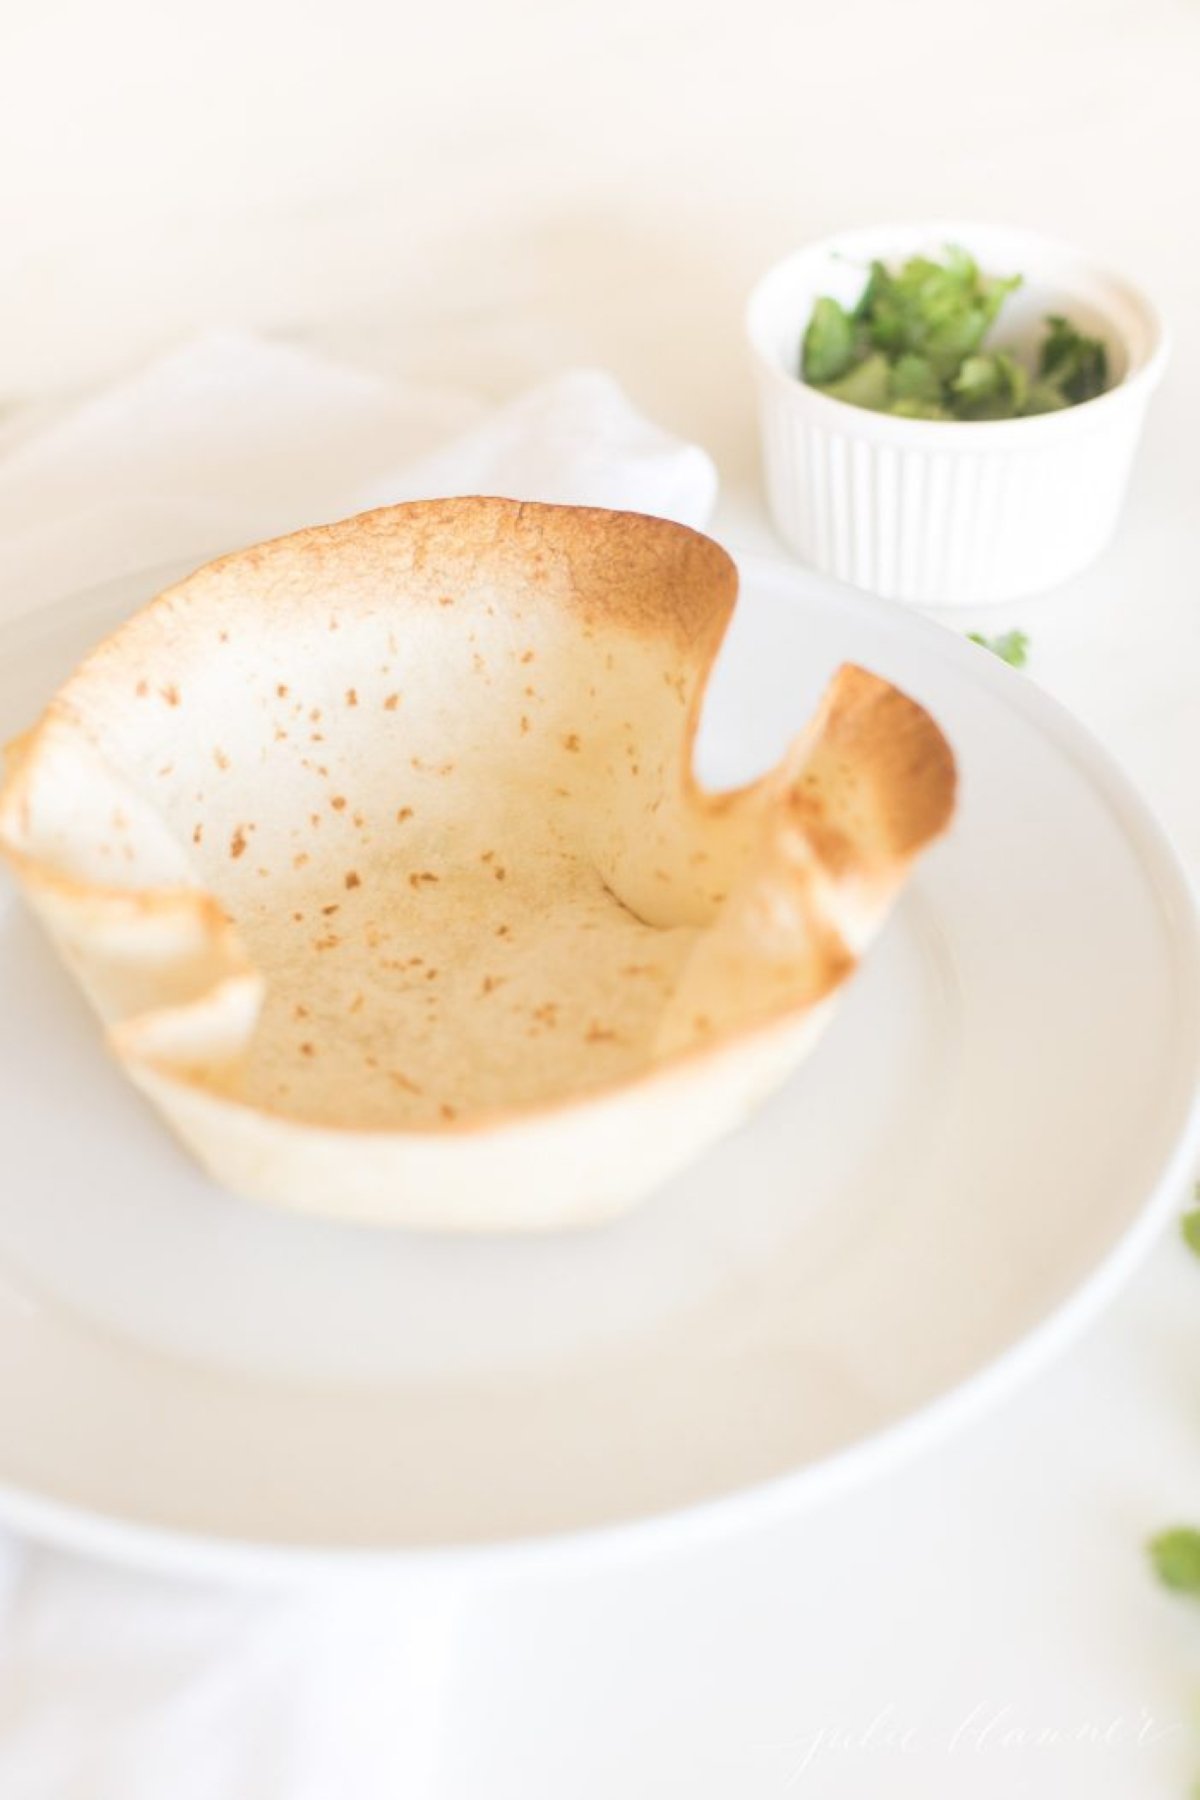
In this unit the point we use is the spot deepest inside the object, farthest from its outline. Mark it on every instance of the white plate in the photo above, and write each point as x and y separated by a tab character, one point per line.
999	1115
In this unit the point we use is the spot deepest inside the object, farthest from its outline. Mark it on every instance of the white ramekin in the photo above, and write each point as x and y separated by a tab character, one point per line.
950	513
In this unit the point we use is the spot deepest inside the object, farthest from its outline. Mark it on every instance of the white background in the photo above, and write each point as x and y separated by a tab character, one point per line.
478	195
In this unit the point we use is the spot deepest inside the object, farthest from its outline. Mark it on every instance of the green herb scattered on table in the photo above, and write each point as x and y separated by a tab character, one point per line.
1190	1226
1175	1555
1011	647
914	346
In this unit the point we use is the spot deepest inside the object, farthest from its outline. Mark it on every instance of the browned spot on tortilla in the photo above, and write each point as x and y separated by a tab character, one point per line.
170	694
353	879
431	974
488	856
282	690
327	912
300	858
446	600
490	983
405	812
308	1049
524	724
237	842
142	689
357	1004
403	1081
448	1112
330	942
527	656
299	1012
220	758
391	703
421	878
571	741
338	802
500	872
504	931
197	833
600	1034
351	697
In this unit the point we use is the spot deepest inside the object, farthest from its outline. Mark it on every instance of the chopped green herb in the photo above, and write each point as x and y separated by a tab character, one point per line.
1190	1226
913	345
829	343
914	377
1074	365
1043	398
906	408
864	385
990	386
1175	1555
1011	647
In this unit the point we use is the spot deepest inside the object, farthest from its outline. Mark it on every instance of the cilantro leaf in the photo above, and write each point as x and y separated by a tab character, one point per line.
914	377
1077	366
962	266
878	281
1011	647
1175	1555
864	385
829	343
1190	1227
991	386
955	337
1043	398
978	378
908	407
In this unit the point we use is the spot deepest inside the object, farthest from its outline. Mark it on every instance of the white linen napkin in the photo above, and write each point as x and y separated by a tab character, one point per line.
232	439
118	1686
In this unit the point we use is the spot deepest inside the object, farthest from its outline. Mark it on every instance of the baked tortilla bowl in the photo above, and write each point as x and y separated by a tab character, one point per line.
379	853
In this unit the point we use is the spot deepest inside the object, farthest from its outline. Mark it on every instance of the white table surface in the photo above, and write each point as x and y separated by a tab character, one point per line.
982	1623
